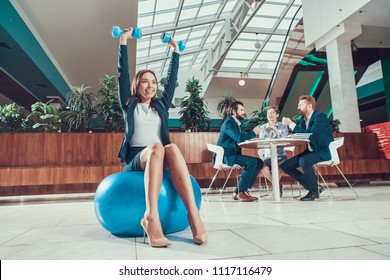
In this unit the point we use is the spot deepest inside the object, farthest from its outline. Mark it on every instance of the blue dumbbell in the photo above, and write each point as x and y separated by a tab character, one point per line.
116	32
166	38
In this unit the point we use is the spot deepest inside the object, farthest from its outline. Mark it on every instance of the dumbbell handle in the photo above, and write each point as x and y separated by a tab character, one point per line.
116	32
166	38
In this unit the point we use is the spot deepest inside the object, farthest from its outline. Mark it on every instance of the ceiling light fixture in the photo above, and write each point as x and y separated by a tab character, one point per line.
257	44
354	47
243	75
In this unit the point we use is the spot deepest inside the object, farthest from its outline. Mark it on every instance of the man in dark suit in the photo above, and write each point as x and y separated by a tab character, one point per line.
230	135
317	150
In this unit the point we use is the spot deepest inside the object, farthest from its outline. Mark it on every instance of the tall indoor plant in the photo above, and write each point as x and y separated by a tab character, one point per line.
81	103
194	115
108	108
224	103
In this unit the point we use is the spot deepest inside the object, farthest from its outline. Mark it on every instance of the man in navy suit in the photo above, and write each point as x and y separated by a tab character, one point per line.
317	150
231	134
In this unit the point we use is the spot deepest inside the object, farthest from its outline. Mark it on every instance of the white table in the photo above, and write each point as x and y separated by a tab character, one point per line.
272	144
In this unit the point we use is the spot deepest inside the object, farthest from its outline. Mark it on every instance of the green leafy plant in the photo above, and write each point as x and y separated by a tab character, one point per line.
259	117
193	112
12	118
109	109
334	124
48	117
224	103
81	103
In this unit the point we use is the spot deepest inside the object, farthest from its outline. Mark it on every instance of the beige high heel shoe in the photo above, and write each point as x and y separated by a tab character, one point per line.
158	242
199	239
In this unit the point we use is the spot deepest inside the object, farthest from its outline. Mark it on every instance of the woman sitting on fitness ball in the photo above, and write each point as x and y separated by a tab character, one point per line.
147	146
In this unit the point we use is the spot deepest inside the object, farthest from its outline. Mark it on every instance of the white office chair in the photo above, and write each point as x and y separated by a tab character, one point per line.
219	165
334	162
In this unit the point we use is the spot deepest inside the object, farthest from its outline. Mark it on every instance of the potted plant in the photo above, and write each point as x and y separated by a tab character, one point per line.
48	117
81	103
12	118
259	117
224	103
193	112
109	109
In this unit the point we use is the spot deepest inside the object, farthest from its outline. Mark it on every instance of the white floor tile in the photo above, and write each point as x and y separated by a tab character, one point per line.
221	245
290	229
60	234
120	249
383	249
377	230
352	253
281	239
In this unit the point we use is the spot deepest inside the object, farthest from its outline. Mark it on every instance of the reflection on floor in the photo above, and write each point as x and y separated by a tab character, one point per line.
341	228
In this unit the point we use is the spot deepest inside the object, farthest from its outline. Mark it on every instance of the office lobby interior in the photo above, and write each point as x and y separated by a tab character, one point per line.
261	52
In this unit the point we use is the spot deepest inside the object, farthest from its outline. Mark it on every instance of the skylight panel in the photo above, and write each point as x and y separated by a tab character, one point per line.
146	6
188	14
158	51
167	5
271	10
235	64
142	54
239	54
192	2
154	65
229	7
277	38
244	44
217	28
263	22
265	64
194	43
186	58
291	12
208	10
211	39
197	33
164	18
268	56
145	21
252	36
273	46
285	24
143	44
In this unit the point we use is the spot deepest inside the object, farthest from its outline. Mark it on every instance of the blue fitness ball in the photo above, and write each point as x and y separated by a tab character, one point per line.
120	204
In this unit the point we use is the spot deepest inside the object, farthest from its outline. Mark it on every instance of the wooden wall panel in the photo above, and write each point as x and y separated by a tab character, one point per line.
33	163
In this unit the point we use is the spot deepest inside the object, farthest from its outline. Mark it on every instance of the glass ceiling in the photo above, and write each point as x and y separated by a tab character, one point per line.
220	34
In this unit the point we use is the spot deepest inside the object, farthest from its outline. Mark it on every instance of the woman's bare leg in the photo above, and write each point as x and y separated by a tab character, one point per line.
267	173
182	182
152	161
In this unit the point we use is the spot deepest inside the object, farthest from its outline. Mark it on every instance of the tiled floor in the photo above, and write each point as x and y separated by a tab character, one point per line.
327	229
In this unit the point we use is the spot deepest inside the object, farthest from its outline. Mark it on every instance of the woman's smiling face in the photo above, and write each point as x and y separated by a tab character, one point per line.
148	87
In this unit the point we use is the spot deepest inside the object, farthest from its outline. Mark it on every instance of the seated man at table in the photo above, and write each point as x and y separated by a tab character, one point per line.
230	135
317	150
273	129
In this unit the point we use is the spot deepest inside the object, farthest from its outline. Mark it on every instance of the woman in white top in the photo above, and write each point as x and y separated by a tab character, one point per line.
273	129
147	146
